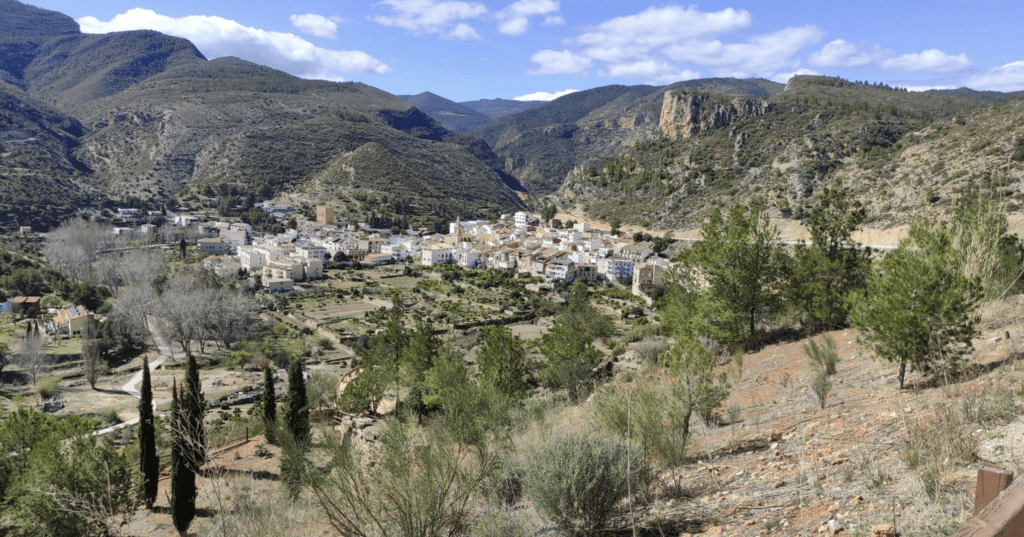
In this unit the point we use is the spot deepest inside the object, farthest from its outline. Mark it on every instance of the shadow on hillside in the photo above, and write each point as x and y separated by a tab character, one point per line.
968	373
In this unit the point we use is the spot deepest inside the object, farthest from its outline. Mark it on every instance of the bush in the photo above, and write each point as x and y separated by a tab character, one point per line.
47	387
649	416
821	386
576	480
650	349
823	354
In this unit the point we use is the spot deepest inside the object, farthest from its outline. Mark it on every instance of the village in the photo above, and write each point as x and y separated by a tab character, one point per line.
515	244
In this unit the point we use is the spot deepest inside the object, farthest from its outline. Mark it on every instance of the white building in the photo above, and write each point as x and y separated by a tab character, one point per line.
436	255
251	258
214	246
234	237
521	219
616	268
467	258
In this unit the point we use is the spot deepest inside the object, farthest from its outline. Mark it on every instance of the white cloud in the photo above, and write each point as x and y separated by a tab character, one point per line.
664	44
931	60
462	31
433	17
936	87
514	19
840	53
544	95
553	62
317	25
1008	77
554	20
762	55
632	36
653	71
216	37
782	78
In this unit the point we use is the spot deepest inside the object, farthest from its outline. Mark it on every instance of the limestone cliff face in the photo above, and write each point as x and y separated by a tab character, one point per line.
684	114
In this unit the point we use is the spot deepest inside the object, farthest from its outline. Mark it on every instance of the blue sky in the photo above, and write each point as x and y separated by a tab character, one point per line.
466	50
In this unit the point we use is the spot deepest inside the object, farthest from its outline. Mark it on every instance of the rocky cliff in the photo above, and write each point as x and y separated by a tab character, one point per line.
685	113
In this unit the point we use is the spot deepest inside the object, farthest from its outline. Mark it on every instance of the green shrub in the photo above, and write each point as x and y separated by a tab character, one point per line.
823	354
576	480
647	415
47	387
821	386
650	349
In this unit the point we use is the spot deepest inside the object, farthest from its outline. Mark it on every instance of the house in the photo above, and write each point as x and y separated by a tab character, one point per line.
312	269
646	275
436	255
311	252
222	265
467	257
251	258
186	220
282	269
128	214
560	269
279	284
215	246
521	219
377	259
614	268
26	305
72	320
636	251
234	237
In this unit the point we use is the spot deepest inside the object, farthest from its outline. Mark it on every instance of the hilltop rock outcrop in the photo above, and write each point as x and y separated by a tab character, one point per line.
685	114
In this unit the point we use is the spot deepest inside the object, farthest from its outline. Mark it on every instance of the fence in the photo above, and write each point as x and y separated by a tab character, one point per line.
997	512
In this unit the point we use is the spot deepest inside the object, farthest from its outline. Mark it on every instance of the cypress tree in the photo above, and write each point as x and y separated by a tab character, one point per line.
269	405
149	464
183	477
194	406
298	413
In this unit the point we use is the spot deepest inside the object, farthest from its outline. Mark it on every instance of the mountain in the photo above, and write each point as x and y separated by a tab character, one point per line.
902	154
141	115
21	20
499	108
41	180
540	146
452	115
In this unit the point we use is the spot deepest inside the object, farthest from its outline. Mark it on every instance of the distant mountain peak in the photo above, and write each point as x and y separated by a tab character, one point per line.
23	20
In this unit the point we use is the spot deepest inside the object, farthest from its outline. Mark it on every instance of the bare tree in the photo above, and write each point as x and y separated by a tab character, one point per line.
140	267
182	304
137	302
90	352
136	267
32	359
108	273
73	247
231	315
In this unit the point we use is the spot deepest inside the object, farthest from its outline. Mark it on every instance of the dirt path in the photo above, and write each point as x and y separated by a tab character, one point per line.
129	387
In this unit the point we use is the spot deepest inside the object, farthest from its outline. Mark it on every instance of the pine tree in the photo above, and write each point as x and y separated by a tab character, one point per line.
193	407
269	405
502	362
298	413
149	464
183	477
